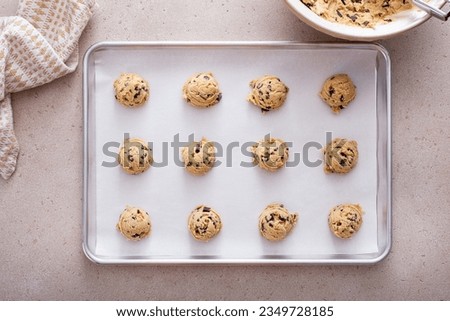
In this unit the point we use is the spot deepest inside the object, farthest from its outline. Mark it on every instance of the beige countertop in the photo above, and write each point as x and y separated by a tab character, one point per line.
41	205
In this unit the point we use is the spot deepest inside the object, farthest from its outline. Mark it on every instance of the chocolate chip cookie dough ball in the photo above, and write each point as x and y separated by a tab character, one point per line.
135	156
345	220
276	222
202	90
270	154
204	223
268	93
340	156
199	157
131	90
338	91
134	223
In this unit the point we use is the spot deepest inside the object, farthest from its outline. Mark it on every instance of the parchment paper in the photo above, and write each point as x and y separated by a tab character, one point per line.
239	194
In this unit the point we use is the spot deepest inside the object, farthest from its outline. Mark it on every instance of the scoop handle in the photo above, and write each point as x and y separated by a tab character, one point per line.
440	13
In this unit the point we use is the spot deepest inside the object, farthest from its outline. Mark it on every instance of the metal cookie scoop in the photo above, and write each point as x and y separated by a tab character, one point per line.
441	13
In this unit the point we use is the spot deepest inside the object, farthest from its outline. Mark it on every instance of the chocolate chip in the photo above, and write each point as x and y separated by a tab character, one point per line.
353	17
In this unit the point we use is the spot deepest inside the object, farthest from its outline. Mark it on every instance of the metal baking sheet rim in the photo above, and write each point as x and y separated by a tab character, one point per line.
204	261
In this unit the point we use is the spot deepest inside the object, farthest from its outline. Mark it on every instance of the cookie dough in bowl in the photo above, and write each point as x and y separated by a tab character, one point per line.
340	156
202	90
134	223
357	12
387	27
345	220
270	154
199	157
268	93
204	223
135	157
131	90
276	222
338	91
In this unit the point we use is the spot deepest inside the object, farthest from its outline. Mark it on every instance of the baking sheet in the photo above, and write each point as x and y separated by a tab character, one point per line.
238	193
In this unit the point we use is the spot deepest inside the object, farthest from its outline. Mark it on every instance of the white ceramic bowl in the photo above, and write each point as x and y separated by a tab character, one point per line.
401	22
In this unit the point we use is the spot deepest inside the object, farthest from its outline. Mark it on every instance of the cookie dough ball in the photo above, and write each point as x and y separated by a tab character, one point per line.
338	91
135	156
268	93
202	90
134	223
199	157
131	90
340	156
270	154
204	223
275	222
345	220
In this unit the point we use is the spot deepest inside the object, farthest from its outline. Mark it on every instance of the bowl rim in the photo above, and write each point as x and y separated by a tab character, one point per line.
354	32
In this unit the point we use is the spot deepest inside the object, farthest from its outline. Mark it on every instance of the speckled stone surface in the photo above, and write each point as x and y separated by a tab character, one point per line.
40	206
